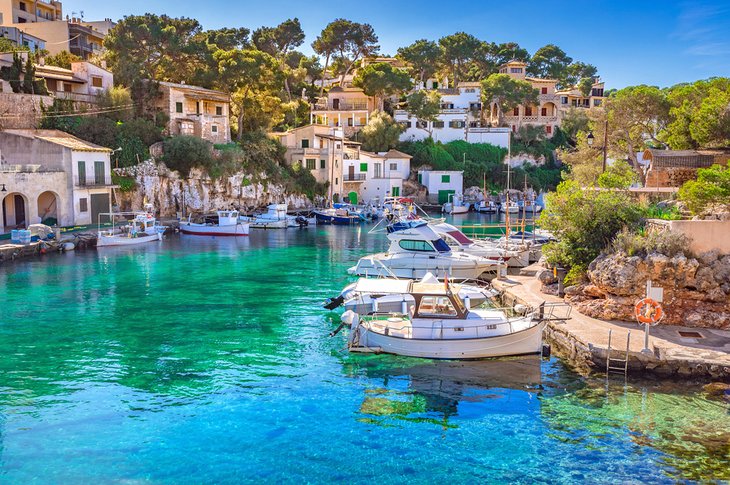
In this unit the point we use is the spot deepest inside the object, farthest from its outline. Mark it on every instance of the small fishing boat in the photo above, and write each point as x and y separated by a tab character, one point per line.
222	223
417	250
487	207
142	228
340	215
441	325
275	217
455	205
367	295
509	208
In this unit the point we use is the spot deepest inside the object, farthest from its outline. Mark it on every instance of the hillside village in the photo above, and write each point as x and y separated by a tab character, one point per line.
78	101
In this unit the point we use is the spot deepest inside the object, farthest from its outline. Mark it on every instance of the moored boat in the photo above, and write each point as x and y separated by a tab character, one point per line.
455	205
441	326
222	223
142	228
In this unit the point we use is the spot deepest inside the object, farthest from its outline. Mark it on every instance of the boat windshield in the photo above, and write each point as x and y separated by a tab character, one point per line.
460	237
436	306
441	246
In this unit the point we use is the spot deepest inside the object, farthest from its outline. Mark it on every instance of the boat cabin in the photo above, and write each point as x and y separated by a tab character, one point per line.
421	239
453	236
435	301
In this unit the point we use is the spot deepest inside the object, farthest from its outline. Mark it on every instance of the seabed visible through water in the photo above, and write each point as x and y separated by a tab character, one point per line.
208	360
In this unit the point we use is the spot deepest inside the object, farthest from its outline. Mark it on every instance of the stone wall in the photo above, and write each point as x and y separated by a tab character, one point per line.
174	195
669	177
21	111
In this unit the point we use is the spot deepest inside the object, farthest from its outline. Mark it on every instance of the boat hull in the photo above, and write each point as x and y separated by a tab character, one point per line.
413	268
103	240
528	341
202	230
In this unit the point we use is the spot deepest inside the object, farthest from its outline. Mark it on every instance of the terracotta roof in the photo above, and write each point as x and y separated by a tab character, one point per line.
59	73
340	89
58	137
540	80
470	84
393	153
201	92
677	158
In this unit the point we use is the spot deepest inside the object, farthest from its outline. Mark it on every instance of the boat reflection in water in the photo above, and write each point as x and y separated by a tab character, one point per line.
438	390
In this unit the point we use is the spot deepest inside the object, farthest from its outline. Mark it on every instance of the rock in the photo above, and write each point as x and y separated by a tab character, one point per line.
717	389
705	279
721	270
594	291
550	289
573	290
547	277
709	257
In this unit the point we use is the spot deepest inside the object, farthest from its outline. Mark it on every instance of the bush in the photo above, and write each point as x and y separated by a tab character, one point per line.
126	184
665	213
585	221
576	275
619	175
641	243
711	187
183	153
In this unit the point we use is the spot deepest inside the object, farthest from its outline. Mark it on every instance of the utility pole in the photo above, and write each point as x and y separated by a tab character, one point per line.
605	144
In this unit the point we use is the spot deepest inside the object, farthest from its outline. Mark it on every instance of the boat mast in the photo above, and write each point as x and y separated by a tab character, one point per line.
509	157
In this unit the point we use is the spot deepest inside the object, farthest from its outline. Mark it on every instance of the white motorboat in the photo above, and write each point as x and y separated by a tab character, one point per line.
369	295
517	257
455	205
142	228
442	326
487	207
275	217
417	250
223	223
511	209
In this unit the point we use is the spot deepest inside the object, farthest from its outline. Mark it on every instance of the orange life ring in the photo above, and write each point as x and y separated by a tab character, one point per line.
648	311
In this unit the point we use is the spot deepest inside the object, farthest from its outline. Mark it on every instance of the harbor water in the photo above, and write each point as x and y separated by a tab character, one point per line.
207	360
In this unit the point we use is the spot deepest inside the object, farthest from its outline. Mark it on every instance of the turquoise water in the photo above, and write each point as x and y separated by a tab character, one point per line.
208	360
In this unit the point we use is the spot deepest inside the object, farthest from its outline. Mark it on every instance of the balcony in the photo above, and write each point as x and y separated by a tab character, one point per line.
309	152
105	181
354	177
342	106
78	97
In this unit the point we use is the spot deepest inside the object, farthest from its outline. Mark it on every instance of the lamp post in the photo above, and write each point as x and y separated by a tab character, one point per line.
590	139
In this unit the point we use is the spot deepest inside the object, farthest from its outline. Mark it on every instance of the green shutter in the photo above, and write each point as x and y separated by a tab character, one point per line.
420	178
363	167
445	179
322	164
311	163
305	143
395	191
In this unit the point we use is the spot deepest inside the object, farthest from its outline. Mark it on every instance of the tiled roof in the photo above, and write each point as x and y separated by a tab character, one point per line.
58	137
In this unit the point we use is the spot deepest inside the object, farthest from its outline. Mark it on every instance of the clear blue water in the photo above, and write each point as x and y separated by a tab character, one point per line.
208	361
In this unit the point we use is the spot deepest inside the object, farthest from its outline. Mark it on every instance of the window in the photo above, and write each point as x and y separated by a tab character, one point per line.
543	112
528	111
67	87
457	124
305	143
82	173
187	128
435	85
363	167
395	191
84	205
178	107
322	164
469	90
421	124
394	166
99	176
516	70
363	121
548	129
596	102
543	91
475	106
311	163
214	129
445	179
516	111
436	305
97	81
21	20
405	124
350	122
447	105
438	124
412	245
22	6
219	110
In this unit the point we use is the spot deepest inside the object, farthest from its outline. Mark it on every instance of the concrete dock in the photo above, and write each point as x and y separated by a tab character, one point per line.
673	350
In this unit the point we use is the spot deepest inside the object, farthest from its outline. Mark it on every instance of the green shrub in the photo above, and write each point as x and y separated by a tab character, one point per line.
183	153
126	184
665	213
641	243
711	187
576	275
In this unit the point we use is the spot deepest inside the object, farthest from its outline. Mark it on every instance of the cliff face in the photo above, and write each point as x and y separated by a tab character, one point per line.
696	291
169	192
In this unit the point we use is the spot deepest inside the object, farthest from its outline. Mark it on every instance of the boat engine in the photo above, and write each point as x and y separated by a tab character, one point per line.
332	303
302	221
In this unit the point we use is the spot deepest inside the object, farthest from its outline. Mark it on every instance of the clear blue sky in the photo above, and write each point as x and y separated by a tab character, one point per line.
630	41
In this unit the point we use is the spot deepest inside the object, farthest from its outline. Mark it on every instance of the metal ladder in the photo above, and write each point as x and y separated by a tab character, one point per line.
618	365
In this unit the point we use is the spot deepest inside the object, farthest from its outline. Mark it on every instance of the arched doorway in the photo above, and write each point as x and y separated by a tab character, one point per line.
48	208
15	211
549	109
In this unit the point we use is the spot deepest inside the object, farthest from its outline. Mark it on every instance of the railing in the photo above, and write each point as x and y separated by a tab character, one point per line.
29	168
83	98
316	152
341	107
357	177
93	182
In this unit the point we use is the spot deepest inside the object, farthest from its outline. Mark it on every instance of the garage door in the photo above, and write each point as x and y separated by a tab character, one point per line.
99	205
444	195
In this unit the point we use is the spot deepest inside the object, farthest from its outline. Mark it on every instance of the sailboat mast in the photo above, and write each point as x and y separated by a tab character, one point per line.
509	156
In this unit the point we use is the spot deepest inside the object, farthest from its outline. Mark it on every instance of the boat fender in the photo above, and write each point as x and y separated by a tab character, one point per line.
519	308
349	317
546	351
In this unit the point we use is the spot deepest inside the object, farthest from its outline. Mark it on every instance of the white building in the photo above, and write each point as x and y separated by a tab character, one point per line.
459	119
51	175
441	184
375	175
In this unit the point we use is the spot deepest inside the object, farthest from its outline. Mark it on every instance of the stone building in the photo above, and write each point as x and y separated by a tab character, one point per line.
672	168
196	111
51	176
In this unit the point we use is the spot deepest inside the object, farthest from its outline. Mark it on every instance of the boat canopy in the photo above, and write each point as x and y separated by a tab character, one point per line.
382	285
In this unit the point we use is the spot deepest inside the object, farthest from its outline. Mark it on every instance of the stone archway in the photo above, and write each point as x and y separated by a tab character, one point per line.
549	109
48	208
15	211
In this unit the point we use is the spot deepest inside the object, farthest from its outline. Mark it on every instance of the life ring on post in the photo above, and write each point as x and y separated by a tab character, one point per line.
648	311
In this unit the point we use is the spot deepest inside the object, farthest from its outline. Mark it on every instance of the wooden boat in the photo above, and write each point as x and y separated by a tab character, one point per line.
456	205
142	228
223	223
441	326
